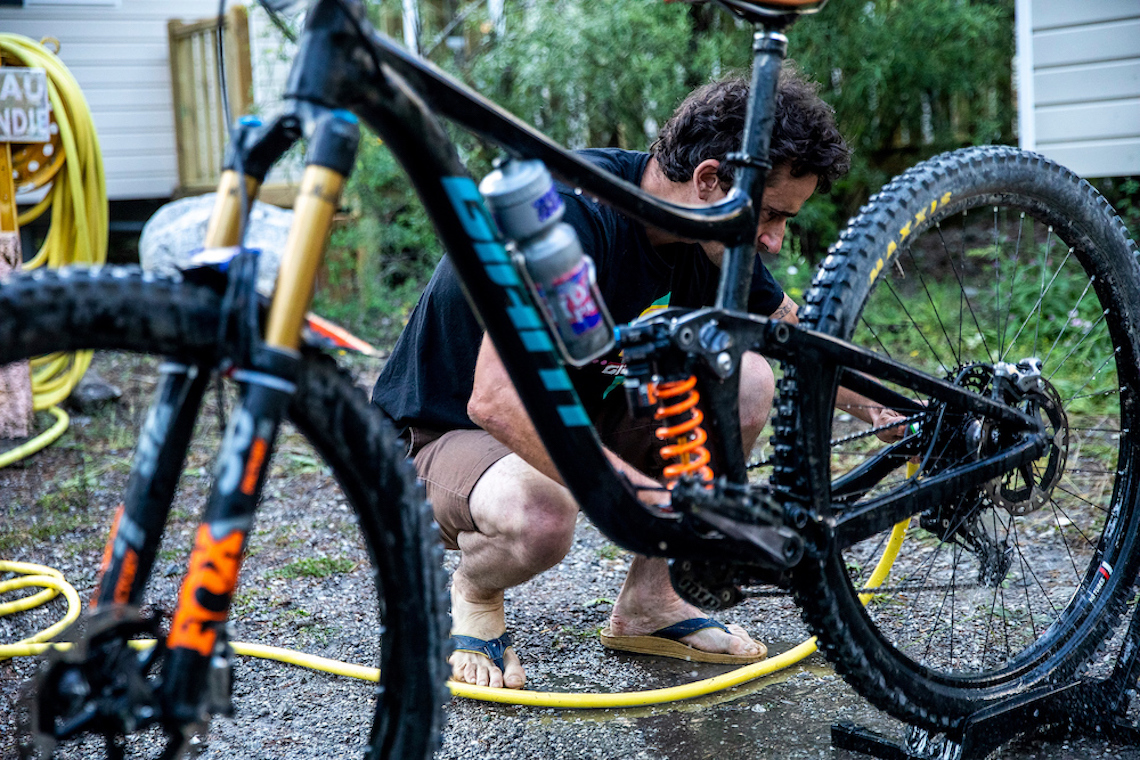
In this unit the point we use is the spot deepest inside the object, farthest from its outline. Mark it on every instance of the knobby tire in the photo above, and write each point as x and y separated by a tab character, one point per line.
124	309
975	256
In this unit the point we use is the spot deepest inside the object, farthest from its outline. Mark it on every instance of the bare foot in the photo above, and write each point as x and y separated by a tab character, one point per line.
648	603
735	641
484	620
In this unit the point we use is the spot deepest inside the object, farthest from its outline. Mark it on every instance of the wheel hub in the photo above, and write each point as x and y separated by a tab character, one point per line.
1028	488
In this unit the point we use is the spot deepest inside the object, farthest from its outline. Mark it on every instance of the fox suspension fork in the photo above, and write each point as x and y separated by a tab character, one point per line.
165	436
267	385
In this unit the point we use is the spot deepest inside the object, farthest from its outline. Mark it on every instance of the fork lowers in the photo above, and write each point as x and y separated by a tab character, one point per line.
681	431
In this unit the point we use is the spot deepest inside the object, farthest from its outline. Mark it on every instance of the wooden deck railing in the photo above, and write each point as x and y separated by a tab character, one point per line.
199	118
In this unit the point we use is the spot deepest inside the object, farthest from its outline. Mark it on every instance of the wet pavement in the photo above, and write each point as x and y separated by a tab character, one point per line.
786	716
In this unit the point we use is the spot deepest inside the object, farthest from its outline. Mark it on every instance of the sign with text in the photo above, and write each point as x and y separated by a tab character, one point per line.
24	110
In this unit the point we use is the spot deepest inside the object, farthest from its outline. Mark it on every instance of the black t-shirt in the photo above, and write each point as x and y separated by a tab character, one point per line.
429	377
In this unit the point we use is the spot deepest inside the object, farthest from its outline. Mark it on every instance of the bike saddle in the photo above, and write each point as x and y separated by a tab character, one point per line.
758	10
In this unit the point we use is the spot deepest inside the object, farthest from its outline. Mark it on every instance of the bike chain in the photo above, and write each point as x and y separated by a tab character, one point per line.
853	436
907	421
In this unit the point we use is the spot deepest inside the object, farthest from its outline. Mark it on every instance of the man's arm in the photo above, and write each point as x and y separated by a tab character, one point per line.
849	401
496	407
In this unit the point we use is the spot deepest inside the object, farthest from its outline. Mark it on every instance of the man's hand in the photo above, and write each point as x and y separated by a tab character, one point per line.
880	416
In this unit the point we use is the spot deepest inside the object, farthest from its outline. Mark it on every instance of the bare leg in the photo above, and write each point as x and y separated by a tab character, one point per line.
647	603
525	525
757	389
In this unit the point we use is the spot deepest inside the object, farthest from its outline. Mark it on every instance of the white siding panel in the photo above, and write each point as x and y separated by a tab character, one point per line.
1048	14
1087	83
149	186
130	122
136	143
1087	44
1102	158
109	74
107	99
87	52
133	10
1094	121
120	59
139	164
105	27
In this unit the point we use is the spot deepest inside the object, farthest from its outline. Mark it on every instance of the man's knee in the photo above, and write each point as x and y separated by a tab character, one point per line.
548	521
518	504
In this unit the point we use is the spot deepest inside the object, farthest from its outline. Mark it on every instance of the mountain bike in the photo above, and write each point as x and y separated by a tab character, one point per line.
988	295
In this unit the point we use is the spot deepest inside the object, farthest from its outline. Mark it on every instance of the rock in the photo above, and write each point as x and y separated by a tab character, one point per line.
92	392
176	231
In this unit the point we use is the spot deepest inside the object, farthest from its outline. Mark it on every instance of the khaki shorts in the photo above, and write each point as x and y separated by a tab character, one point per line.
451	463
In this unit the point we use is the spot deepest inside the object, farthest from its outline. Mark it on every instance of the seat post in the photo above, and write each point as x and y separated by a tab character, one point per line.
753	161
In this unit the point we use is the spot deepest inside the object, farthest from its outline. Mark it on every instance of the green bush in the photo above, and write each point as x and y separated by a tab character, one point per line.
907	80
1124	194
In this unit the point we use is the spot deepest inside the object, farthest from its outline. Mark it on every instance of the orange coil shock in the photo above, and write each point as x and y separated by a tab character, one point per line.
681	422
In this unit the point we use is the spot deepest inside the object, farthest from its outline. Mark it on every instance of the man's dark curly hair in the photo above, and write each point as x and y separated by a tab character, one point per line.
709	122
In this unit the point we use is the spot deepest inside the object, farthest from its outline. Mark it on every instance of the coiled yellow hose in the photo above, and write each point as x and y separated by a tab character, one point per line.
79	222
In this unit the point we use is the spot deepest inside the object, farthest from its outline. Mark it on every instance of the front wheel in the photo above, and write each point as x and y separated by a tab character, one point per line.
1006	274
386	563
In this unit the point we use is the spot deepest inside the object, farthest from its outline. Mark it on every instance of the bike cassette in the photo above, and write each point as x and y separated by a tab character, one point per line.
970	520
100	685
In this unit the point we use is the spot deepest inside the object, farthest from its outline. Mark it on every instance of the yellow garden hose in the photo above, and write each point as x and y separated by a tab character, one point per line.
53	582
79	219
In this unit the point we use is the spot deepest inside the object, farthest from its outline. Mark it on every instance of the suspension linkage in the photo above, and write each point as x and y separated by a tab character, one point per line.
745	513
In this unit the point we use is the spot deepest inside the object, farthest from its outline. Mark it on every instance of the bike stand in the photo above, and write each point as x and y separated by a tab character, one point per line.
1086	707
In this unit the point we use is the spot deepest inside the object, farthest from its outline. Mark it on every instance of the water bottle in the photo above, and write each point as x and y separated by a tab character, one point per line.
527	208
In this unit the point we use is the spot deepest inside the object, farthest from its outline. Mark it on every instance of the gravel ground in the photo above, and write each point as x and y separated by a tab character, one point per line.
305	586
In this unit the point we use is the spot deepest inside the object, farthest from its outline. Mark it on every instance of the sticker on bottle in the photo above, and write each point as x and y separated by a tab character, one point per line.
572	293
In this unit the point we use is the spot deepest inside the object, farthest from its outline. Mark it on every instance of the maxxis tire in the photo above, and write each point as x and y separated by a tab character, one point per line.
124	309
909	206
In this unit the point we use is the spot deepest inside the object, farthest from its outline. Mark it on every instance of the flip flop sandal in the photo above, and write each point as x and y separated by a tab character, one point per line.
665	642
492	649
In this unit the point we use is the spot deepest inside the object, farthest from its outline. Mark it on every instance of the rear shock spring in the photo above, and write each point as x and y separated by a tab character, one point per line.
681	430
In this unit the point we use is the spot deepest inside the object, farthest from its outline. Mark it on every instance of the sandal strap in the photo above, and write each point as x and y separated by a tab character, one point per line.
492	649
684	628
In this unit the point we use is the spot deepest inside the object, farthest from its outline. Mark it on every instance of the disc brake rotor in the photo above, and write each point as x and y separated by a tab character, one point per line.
1030	486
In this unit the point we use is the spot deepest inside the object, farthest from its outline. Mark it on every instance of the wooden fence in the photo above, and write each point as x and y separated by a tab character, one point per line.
199	118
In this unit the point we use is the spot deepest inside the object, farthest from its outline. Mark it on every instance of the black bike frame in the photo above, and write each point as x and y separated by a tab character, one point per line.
343	63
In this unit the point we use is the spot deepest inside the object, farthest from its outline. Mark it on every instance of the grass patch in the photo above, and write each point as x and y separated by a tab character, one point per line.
50	528
66	494
313	567
609	551
319	634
